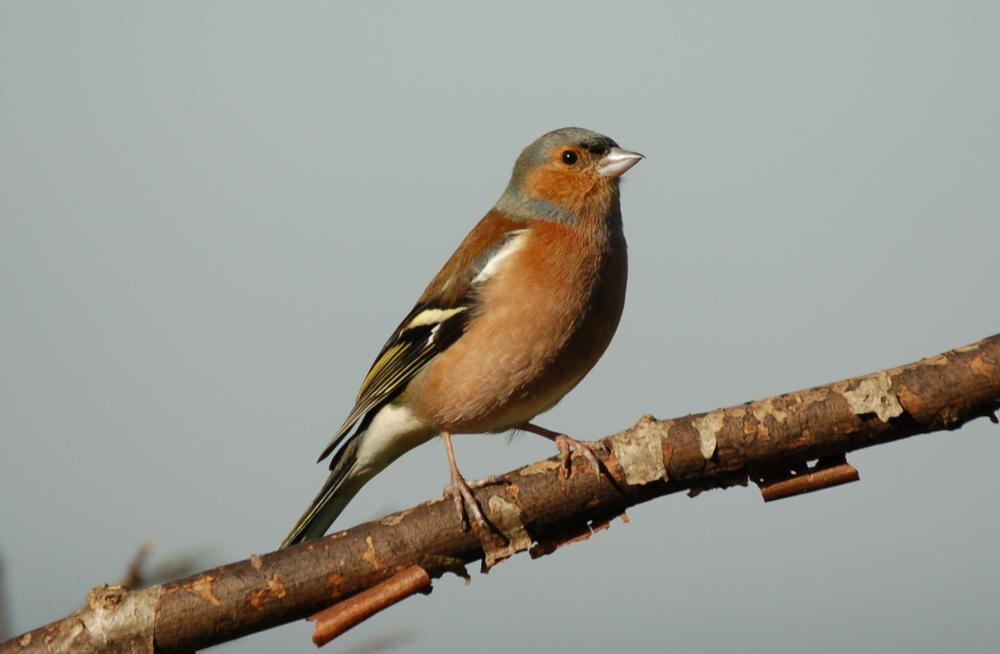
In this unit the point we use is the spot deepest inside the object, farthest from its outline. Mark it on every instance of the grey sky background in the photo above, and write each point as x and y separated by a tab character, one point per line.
213	214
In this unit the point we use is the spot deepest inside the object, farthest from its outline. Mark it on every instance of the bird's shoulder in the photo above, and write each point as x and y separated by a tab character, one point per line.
465	268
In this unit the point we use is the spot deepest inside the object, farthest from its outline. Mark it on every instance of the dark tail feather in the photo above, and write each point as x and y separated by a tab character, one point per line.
339	489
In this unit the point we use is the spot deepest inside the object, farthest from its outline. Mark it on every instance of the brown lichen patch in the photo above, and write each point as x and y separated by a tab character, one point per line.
444	497
336	581
277	588
59	631
805	399
202	587
370	554
258	599
872	395
539	468
256	562
736	411
708	427
982	367
762	410
507	518
60	637
106	597
639	452
327	541
395	519
646	422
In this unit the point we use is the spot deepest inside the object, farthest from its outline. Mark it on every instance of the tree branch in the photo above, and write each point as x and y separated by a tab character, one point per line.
768	442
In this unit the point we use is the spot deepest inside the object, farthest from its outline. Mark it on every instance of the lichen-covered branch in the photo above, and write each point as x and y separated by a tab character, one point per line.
769	442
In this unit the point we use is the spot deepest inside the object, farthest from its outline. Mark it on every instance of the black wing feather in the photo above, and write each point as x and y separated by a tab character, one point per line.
406	352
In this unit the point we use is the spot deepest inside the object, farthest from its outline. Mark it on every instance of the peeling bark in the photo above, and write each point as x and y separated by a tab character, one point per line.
768	442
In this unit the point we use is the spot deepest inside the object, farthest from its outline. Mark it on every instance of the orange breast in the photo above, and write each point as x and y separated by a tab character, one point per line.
546	325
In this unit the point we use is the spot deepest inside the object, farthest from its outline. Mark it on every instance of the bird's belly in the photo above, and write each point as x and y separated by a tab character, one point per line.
523	407
519	360
492	392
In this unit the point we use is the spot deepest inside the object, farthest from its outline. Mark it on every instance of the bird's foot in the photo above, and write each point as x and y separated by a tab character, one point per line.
587	449
492	480
465	501
567	446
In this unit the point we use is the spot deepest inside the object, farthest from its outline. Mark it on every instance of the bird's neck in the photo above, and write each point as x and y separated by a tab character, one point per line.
598	209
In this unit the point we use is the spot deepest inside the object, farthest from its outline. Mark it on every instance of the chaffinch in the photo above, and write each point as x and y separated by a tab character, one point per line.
518	315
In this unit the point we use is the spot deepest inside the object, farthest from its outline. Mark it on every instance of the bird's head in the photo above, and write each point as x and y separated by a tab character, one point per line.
565	175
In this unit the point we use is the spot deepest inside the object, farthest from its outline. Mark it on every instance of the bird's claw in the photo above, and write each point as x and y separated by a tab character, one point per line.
492	480
567	446
466	502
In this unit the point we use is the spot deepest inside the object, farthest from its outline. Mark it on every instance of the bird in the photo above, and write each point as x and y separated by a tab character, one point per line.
518	315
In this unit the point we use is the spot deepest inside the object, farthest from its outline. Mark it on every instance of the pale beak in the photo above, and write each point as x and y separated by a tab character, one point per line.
616	162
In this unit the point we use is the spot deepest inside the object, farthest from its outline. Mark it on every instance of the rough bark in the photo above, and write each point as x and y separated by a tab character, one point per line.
768	442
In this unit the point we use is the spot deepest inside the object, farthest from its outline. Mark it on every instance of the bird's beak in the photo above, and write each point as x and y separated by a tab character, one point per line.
616	162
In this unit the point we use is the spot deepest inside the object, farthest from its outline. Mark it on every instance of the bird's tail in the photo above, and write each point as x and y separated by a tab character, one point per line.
391	432
344	482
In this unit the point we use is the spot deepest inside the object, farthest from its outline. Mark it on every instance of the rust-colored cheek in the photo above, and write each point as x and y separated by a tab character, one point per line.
561	188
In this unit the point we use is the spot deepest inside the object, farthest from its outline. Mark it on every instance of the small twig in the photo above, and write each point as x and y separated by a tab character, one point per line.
133	574
340	617
816	479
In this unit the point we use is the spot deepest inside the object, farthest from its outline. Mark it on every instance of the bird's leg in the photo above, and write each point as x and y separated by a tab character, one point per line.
460	491
564	443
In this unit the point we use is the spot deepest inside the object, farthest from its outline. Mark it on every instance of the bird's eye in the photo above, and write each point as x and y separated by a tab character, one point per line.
569	157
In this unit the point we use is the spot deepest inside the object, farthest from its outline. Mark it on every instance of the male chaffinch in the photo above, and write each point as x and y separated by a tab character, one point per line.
519	314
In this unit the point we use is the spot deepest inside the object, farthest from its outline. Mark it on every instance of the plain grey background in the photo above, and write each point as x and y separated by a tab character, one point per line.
212	215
